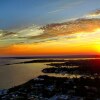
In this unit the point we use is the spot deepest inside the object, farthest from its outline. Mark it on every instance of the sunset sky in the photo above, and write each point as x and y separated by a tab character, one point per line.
49	27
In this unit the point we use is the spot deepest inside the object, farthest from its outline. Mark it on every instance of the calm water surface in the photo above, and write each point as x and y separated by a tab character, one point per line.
16	74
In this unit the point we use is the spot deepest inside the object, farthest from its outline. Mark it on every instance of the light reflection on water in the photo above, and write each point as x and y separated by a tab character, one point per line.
12	75
15	74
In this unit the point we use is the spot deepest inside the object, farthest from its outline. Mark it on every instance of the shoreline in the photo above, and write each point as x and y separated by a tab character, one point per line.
45	87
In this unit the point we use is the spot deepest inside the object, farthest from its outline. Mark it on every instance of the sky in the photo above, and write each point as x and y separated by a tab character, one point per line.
73	27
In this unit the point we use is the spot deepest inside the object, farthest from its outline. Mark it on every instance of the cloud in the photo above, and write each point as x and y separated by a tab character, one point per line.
95	13
65	6
6	34
30	31
52	32
58	10
68	28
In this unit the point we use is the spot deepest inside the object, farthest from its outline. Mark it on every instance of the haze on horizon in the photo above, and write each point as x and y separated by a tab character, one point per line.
49	27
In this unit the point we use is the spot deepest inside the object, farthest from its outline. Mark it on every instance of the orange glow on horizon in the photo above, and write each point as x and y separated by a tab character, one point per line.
78	45
30	49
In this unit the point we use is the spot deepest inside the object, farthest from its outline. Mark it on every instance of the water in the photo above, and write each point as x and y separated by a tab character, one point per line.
16	74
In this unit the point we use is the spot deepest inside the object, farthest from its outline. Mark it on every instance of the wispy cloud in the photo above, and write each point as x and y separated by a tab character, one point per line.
7	34
52	32
68	28
65	6
58	10
95	13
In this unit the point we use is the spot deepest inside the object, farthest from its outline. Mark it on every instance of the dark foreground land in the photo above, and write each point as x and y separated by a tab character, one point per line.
84	87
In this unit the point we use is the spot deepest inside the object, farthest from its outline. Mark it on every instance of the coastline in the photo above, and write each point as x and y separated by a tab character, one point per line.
46	87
